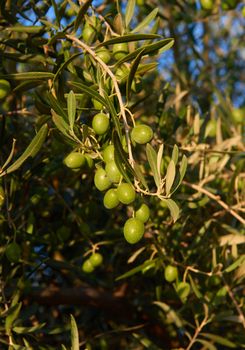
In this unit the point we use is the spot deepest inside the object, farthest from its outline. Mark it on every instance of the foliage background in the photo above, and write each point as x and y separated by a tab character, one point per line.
57	216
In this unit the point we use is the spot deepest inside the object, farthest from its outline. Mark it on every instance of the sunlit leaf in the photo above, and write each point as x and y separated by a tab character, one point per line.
170	176
173	207
129	12
137	269
152	159
74	335
146	21
71	107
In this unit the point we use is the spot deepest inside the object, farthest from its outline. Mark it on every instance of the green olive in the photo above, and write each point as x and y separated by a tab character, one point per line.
13	252
120	50
143	213
110	199
87	266
75	160
170	273
96	259
108	153
126	193
133	230
100	123
141	134
112	171
101	180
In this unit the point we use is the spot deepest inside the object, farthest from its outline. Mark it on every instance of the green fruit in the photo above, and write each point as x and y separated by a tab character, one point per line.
143	213
108	154
238	115
141	134
120	50
207	4
96	259
101	180
104	55
2	196
126	193
87	266
112	171
170	273
97	104
122	73
75	160
88	34
211	128
100	123
13	252
4	88
183	289
110	199
133	230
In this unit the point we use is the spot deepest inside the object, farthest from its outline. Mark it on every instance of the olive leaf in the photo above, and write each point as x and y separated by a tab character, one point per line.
175	154
170	176
137	269
146	21
121	159
127	38
152	159
74	335
173	207
30	151
71	107
28	75
129	12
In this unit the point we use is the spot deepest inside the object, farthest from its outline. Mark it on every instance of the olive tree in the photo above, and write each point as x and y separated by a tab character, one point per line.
121	175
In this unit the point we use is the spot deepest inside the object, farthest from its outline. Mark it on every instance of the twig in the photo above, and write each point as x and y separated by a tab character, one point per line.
199	328
215	198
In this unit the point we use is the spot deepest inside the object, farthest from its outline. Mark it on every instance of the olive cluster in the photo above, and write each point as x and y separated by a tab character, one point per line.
182	288
95	260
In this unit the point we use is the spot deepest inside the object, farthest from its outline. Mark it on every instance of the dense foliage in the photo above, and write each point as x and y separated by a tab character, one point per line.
122	174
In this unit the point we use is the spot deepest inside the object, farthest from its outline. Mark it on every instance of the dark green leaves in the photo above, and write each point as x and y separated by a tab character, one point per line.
31	150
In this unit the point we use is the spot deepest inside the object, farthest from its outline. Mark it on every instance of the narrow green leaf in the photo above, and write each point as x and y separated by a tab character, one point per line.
61	124
113	113
236	264
137	269
181	173
74	335
159	159
206	343
71	107
121	158
152	159
57	107
140	175
129	37
89	91
83	9
30	151
151	48
144	68
65	64
170	175
175	154
220	340
28	75
146	21
173	207
24	330
133	70
129	12
25	29
12	317
172	316
63	347
194	288
56	11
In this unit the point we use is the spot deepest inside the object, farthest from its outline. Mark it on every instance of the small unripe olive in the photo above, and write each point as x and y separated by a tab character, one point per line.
207	4
97	104
101	180
75	160
13	252
170	273
108	153
143	213
120	50
142	134
110	199
104	54
133	230
100	123
87	266
183	289
122	73
96	259
112	171
125	193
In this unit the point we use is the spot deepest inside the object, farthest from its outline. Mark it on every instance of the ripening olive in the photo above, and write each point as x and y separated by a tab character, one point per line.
126	193
110	199
133	230
141	134
170	273
143	213
120	50
183	290
96	259
100	123
101	180
75	160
